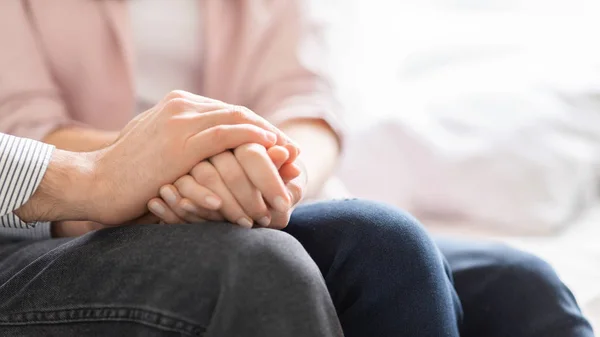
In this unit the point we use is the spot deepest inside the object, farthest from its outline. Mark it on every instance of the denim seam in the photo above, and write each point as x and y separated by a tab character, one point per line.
103	314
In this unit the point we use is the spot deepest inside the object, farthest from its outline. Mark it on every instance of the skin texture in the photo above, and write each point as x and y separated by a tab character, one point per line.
183	129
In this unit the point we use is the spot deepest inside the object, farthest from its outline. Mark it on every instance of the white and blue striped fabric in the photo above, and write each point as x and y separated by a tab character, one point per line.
23	163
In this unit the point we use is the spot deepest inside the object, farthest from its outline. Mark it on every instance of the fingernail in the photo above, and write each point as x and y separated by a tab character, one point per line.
189	208
265	222
157	208
212	202
280	204
168	195
245	222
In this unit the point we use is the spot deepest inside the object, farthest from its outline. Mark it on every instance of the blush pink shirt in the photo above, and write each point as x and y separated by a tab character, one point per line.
65	62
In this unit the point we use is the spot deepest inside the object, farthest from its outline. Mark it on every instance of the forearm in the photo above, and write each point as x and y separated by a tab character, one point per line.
64	192
79	139
320	150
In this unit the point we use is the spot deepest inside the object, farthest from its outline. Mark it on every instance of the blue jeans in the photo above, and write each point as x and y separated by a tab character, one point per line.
509	293
385	275
367	250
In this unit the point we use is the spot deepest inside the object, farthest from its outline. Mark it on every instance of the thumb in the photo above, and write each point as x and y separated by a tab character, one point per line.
220	138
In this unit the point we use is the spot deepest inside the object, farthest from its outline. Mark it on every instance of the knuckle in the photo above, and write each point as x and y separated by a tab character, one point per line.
234	176
175	94
232	173
240	113
258	211
249	151
219	133
223	158
205	173
183	183
176	105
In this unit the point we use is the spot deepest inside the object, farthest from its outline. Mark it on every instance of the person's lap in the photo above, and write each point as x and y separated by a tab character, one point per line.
382	270
385	275
188	280
120	275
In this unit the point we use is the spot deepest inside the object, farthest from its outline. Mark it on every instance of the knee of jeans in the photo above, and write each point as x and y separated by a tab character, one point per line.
274	253
373	232
520	268
179	255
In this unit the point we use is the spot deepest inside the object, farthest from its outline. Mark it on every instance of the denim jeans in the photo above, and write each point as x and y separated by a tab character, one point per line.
504	292
383	273
190	280
509	293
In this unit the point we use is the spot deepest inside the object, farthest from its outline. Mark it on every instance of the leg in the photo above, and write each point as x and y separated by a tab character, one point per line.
209	279
385	275
509	293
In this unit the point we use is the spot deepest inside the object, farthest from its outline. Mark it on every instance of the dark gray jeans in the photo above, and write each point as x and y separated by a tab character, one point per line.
189	280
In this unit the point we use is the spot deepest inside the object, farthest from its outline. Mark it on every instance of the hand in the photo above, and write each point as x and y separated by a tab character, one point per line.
113	185
235	184
295	178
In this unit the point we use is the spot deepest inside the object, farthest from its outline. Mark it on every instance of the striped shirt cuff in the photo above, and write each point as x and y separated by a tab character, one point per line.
23	163
39	230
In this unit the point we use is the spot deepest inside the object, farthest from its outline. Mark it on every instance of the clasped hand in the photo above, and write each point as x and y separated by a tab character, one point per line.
243	186
250	185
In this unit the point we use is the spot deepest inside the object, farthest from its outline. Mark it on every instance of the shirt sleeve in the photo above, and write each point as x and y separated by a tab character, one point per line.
23	163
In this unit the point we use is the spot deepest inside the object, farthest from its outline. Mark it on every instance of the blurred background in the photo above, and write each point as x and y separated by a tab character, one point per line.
482	117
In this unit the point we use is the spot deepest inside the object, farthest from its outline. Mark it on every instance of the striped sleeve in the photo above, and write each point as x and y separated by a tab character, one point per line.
23	163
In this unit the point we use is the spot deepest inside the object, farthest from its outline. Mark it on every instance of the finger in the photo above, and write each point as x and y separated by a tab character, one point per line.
172	198
233	116
209	215
200	196
240	186
190	211
221	138
203	115
198	200
296	191
180	102
159	208
207	175
175	94
263	174
289	172
183	208
280	220
294	152
278	155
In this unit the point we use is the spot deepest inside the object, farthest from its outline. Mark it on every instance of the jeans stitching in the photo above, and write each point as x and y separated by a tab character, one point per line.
103	314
